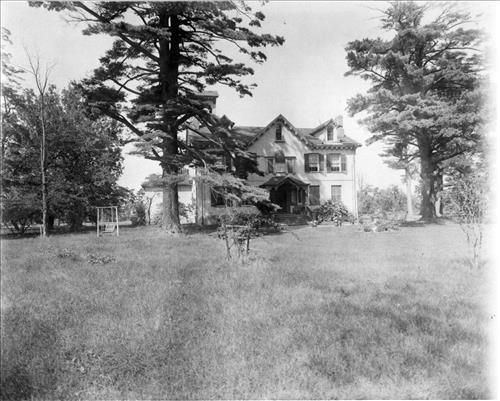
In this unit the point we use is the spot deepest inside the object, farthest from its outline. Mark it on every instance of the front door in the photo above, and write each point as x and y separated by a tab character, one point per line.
279	197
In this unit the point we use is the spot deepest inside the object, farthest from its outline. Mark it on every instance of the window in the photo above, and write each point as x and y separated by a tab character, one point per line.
313	162
314	195
336	162
279	132
270	165
329	133
216	198
336	193
290	165
279	162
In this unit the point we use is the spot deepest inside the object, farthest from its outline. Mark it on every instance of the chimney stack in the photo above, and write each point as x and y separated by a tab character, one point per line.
339	127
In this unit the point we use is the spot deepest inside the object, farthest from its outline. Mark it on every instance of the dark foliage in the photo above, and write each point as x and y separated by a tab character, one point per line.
165	54
427	100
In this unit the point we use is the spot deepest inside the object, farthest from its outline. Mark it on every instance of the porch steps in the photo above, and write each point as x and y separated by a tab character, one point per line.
291	219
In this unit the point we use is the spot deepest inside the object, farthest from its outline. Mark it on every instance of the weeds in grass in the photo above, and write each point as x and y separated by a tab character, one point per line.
315	318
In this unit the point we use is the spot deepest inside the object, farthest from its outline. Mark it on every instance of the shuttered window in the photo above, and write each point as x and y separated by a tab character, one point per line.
336	162
313	162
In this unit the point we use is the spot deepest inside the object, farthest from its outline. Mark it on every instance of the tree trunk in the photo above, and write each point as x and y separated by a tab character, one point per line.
43	166
409	200
439	190
76	218
169	71
170	222
427	168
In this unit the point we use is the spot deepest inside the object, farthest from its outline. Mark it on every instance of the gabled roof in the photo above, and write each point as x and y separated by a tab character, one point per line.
285	122
320	127
249	135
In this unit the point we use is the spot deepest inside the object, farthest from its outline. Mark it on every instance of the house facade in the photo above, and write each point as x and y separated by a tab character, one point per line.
302	168
305	166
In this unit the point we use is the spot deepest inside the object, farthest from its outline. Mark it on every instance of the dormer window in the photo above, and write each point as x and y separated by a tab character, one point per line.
279	132
329	134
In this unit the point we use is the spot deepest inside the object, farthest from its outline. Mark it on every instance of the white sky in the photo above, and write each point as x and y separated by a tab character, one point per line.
303	79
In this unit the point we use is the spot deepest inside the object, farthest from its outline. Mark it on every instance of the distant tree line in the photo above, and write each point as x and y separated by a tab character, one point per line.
373	200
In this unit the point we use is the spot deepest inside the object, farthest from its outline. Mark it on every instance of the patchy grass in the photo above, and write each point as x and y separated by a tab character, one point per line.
327	312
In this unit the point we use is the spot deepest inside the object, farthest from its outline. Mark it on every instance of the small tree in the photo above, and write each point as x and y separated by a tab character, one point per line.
468	198
237	226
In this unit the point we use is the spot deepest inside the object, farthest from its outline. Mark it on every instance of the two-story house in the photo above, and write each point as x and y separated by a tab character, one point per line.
302	168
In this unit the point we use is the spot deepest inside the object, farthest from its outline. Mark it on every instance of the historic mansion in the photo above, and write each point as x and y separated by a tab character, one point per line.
302	168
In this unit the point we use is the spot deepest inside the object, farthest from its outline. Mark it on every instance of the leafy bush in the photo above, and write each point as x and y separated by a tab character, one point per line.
19	209
239	225
468	198
333	211
373	200
139	217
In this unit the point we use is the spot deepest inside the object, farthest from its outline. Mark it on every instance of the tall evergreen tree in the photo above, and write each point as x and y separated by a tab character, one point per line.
164	55
426	96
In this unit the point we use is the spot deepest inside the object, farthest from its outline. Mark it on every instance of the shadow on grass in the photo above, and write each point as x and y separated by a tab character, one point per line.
29	357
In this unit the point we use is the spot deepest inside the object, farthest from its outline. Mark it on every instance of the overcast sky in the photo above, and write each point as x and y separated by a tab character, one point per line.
303	79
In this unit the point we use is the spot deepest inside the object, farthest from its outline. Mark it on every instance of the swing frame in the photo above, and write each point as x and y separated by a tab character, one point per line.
114	218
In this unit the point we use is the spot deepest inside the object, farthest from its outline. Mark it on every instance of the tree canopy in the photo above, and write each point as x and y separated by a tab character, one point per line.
164	56
427	97
83	163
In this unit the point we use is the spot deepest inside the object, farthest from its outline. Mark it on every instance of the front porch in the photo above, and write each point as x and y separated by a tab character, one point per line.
288	192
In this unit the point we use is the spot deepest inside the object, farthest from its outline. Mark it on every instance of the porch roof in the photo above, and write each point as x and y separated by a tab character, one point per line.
278	180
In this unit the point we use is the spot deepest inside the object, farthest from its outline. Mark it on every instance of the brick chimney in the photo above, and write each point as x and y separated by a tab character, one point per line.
339	129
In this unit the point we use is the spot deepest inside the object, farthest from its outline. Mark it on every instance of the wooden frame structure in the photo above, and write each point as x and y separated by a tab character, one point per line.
111	225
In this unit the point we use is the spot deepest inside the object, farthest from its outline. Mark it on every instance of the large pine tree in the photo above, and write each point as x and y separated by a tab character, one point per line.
164	56
426	99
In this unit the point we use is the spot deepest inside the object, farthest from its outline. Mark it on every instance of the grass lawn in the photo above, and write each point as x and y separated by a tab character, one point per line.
323	313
